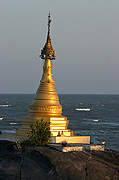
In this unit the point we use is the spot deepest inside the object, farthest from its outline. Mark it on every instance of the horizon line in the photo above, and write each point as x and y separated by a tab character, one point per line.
65	93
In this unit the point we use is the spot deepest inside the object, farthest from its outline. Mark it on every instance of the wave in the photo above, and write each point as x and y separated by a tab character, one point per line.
83	109
95	120
13	123
5	105
1	119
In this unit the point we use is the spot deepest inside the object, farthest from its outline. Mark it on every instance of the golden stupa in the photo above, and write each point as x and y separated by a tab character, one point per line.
46	102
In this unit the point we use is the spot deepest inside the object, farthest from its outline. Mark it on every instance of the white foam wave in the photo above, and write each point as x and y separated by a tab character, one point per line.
5	105
13	123
95	120
1	119
83	109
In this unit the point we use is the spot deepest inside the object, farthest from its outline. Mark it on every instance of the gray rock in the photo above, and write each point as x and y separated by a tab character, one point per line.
40	163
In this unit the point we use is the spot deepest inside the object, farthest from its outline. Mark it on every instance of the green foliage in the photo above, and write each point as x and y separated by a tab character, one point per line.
18	146
39	134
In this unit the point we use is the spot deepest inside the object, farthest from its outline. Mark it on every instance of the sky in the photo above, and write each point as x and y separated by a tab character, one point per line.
85	36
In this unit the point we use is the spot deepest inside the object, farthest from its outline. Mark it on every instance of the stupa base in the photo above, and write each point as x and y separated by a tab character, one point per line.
71	139
56	140
58	128
58	125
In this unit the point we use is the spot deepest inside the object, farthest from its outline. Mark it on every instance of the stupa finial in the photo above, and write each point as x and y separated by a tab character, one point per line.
48	52
49	21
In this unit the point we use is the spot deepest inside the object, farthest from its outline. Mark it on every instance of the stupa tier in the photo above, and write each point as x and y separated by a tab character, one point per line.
46	103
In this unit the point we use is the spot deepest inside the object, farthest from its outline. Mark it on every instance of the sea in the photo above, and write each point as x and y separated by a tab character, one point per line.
94	115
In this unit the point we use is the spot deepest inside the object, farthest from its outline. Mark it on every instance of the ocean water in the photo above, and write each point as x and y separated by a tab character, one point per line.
93	115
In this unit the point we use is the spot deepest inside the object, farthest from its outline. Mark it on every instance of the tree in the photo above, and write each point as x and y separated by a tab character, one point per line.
40	134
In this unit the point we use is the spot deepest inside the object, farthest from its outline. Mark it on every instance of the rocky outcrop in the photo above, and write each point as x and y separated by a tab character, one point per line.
40	163
26	164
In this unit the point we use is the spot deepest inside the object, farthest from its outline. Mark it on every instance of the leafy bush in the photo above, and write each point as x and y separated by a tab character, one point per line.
39	134
18	146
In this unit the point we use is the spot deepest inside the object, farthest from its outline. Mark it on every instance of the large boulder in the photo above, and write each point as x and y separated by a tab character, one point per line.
43	162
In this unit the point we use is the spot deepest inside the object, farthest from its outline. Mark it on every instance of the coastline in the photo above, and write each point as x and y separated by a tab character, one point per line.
44	162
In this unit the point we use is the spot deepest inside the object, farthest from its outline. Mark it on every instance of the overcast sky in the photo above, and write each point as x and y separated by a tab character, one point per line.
85	36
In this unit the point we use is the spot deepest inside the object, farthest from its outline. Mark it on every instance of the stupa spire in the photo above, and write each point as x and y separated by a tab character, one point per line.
49	21
47	52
